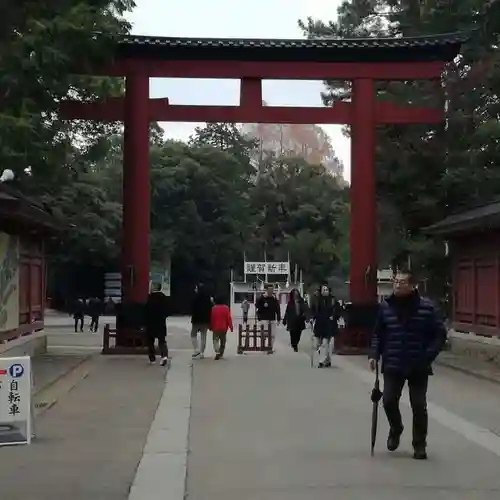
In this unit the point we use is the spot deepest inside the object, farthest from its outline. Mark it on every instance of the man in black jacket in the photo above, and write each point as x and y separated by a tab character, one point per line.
201	310
156	313
408	337
267	309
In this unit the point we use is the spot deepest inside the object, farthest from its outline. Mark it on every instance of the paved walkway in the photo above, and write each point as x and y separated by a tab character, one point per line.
272	428
90	442
257	428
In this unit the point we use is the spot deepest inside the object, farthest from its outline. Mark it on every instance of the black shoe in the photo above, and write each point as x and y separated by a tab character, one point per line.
393	440
419	453
295	348
217	357
328	364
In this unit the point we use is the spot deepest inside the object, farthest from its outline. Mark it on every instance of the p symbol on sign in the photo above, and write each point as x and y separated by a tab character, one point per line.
16	371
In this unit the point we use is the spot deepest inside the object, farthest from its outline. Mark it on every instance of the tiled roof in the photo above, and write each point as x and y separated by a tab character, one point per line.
484	216
444	45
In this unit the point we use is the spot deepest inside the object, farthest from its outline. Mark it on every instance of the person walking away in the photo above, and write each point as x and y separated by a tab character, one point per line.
78	314
155	317
109	306
408	336
268	311
295	318
245	307
325	316
95	308
200	320
220	322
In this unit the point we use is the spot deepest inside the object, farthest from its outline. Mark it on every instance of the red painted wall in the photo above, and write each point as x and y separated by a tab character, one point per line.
31	280
476	283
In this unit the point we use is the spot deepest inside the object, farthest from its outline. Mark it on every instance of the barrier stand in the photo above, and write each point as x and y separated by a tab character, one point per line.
254	338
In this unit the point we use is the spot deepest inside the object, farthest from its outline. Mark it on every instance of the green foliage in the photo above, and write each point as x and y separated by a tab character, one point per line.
209	206
296	209
42	44
424	172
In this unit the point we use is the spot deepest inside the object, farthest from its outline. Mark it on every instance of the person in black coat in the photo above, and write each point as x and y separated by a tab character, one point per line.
95	309
201	310
268	311
325	314
408	336
156	312
295	317
78	314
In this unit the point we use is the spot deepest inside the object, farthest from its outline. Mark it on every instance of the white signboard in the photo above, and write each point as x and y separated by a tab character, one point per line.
267	268
15	401
9	282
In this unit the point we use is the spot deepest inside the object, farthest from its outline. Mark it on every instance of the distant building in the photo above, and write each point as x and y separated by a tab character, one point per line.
308	141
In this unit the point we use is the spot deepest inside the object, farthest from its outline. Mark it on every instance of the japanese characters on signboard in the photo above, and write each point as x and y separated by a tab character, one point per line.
15	401
267	268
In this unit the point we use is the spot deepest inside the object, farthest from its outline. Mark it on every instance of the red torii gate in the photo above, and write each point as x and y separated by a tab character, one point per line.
362	61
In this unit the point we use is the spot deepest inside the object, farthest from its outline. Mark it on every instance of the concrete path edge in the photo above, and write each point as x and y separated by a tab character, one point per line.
162	471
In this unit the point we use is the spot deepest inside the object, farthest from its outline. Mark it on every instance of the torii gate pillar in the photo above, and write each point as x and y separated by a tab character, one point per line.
136	195
363	221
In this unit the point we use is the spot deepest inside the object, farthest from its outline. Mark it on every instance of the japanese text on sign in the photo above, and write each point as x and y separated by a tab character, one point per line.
15	400
267	268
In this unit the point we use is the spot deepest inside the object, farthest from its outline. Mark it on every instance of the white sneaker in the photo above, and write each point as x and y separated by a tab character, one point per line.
196	355
164	361
202	356
152	362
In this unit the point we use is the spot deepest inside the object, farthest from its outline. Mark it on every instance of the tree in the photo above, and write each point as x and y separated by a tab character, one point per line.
296	209
225	137
40	44
424	172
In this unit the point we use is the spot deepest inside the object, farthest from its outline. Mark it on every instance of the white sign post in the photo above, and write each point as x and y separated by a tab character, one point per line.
15	401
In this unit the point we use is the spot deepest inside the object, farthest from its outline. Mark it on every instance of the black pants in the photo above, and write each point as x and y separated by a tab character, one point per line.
417	387
78	319
245	318
295	334
94	323
162	346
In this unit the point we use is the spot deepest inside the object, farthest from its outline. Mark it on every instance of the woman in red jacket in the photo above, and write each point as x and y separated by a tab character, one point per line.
220	322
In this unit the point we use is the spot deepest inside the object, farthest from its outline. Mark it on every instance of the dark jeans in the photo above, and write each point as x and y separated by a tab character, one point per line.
295	334
94	323
245	317
78	320
417	387
219	341
162	346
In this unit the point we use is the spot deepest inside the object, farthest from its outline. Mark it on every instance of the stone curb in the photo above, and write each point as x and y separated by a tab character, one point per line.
62	375
162	471
467	371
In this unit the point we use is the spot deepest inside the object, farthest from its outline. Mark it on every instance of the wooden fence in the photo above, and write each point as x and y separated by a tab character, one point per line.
131	343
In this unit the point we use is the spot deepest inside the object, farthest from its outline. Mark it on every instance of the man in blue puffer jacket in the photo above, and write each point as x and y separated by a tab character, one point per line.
408	337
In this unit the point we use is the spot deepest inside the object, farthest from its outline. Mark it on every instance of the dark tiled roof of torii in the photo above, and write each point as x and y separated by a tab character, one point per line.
436	47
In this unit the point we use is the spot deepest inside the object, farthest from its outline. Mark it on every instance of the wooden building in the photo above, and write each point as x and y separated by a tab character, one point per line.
473	242
24	226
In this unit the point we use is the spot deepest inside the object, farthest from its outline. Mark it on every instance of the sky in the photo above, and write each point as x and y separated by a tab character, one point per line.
234	19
